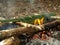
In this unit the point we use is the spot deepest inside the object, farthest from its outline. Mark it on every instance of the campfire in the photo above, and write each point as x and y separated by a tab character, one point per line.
38	31
43	35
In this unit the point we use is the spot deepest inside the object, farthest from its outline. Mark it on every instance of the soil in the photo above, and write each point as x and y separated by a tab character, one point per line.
19	8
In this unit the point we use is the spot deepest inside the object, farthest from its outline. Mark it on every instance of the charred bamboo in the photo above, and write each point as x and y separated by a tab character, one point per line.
52	24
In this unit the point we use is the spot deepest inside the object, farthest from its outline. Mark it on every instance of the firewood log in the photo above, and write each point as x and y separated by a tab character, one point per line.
15	32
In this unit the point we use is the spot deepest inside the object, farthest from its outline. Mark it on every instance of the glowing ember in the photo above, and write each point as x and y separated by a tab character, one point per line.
44	35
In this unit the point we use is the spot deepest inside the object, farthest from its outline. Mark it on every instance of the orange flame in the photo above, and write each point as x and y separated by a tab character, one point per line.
39	21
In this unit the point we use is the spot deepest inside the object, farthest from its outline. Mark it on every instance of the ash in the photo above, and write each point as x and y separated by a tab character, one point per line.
51	41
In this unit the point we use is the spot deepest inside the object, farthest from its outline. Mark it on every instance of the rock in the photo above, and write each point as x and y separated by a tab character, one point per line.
10	41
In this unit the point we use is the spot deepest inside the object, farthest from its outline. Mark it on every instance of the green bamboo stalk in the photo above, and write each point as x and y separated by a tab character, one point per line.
30	19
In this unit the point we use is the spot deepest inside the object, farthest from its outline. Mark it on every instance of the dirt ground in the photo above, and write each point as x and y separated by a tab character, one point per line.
13	8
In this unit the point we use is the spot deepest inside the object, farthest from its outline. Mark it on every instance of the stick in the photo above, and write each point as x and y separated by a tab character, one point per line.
15	32
39	27
55	17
